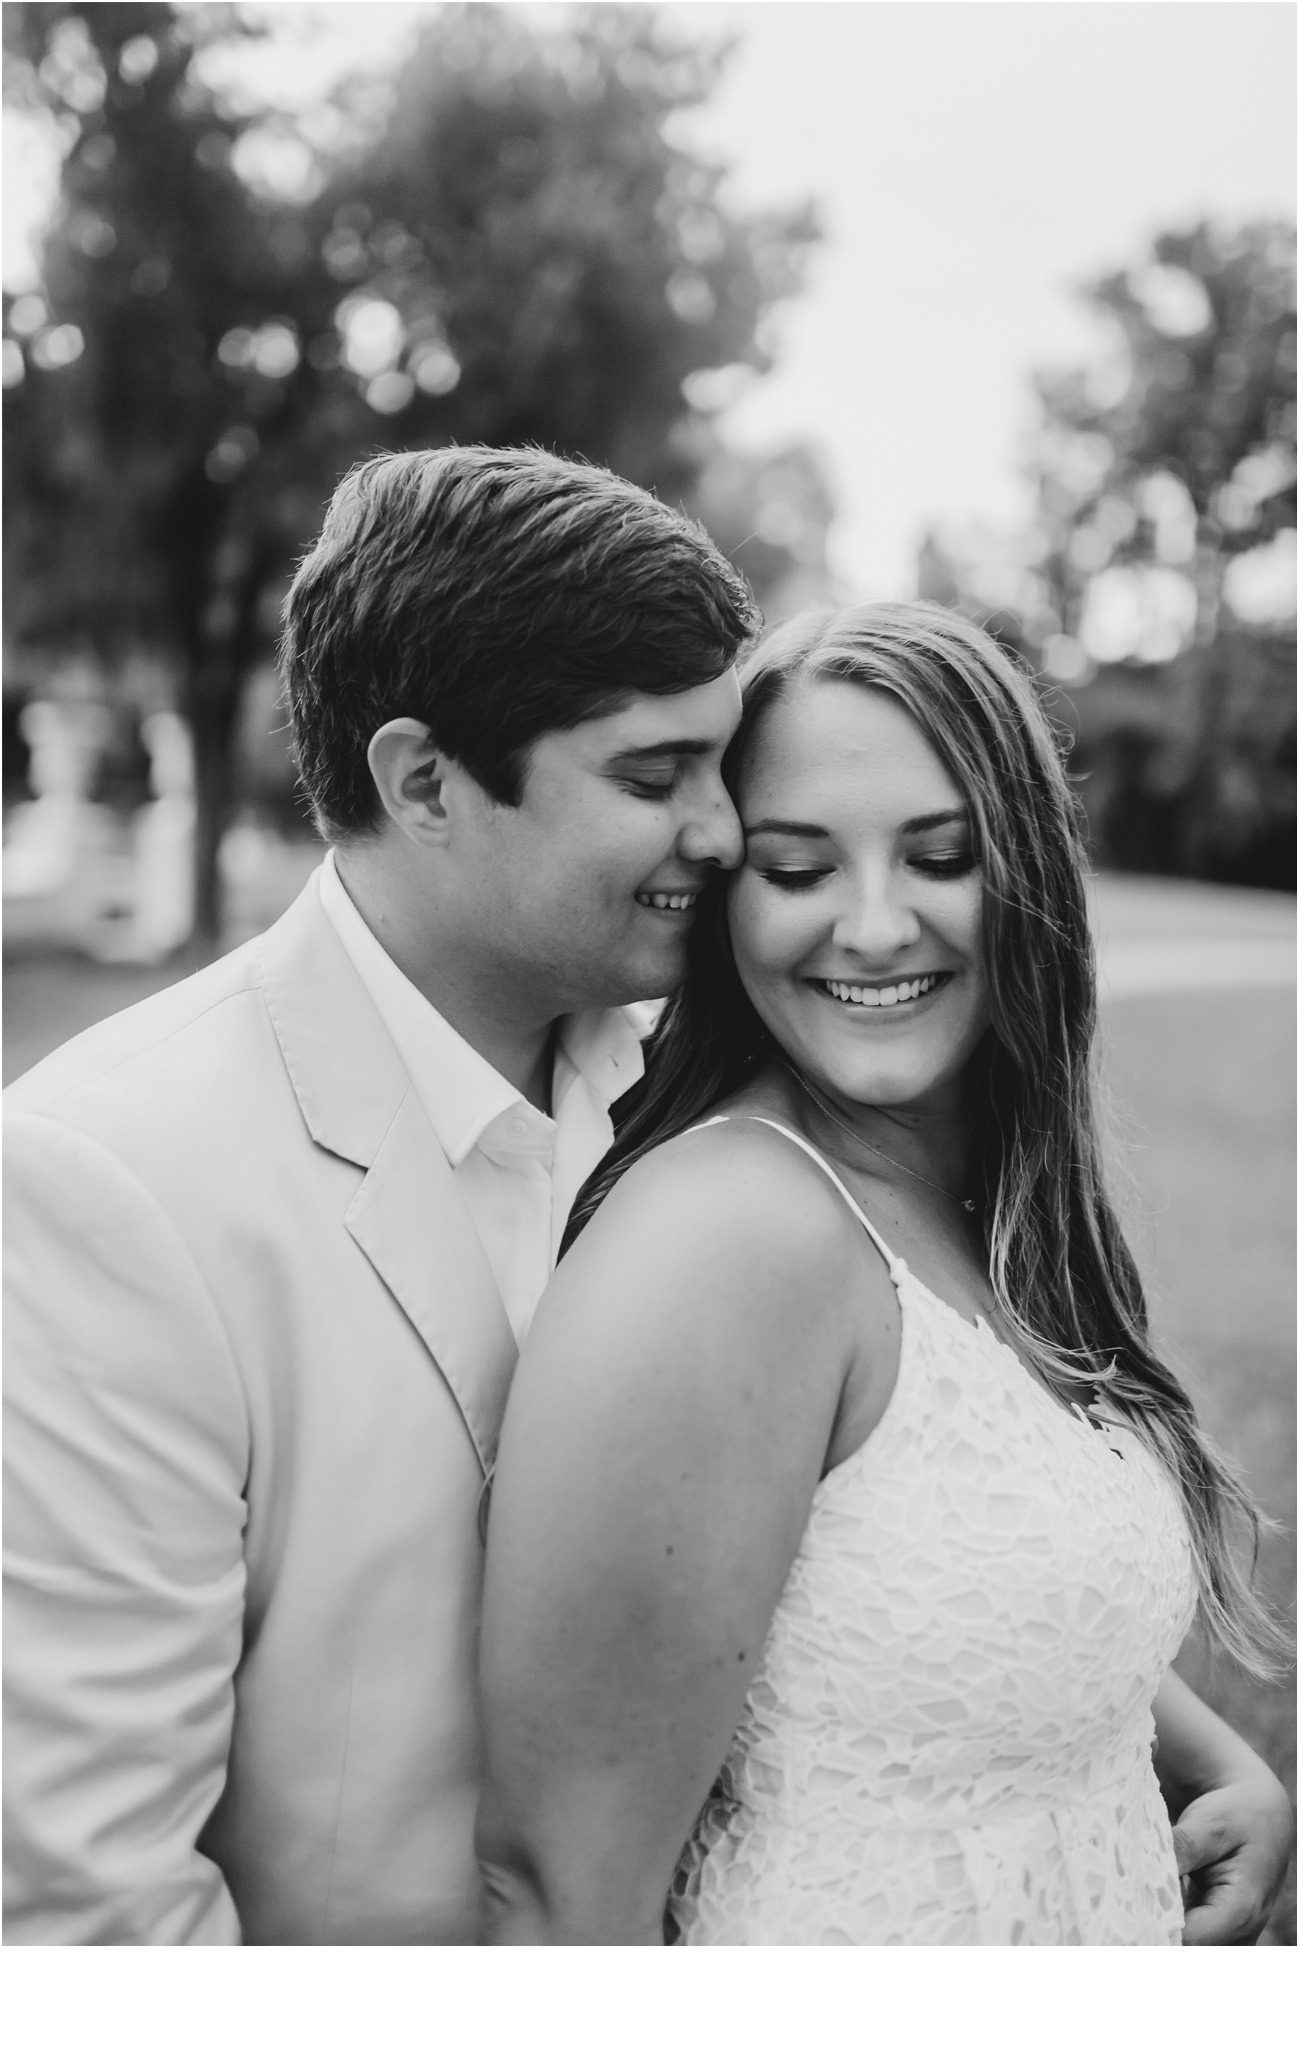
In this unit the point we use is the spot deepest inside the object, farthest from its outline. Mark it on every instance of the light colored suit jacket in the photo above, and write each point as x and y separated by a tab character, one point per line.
256	1365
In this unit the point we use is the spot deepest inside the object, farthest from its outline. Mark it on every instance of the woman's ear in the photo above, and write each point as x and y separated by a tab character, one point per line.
408	773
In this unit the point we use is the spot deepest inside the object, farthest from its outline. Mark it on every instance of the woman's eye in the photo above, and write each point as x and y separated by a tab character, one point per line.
945	866
793	878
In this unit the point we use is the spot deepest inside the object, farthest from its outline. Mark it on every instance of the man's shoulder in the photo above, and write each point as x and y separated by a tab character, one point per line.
276	1047
124	1050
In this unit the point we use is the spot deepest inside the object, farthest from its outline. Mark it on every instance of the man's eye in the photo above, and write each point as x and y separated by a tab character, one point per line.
793	878
654	792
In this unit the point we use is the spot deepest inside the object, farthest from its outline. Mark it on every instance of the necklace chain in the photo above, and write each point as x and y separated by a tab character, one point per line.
967	1203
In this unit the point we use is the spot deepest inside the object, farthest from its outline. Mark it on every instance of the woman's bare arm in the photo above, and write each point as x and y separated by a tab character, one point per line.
664	1438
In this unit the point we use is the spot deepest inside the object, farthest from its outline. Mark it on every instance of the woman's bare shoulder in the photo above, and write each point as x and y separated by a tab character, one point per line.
720	1277
741	1182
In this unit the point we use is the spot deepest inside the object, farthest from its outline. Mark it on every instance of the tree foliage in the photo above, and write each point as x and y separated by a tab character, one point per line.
527	216
151	486
1178	452
1165	484
517	252
1168	479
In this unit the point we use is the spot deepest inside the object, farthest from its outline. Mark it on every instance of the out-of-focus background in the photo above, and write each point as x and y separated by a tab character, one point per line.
988	303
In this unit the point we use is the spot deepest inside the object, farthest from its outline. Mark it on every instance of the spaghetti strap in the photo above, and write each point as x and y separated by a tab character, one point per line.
894	1264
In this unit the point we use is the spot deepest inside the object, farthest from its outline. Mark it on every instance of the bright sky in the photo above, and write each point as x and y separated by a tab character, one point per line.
971	161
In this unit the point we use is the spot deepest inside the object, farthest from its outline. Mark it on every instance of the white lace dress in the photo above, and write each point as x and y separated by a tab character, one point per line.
948	1739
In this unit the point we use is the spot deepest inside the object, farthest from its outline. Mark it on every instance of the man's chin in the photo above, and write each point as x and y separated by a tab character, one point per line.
647	981
661	977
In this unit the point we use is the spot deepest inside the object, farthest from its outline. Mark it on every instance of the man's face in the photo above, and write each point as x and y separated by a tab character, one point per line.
584	893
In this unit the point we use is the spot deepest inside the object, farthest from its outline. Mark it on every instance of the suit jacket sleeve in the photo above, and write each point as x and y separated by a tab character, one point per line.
126	1453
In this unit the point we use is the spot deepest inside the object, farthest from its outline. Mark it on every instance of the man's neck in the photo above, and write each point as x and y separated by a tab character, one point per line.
488	1016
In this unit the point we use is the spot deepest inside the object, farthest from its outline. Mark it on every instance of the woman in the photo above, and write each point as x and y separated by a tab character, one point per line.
839	1475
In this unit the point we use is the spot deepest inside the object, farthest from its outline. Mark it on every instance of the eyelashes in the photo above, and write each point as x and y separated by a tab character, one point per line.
651	792
943	866
794	879
937	868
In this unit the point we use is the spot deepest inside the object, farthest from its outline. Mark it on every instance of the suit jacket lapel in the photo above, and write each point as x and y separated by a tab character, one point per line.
407	1216
407	1203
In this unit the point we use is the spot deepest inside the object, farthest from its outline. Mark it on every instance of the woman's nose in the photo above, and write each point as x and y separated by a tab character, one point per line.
876	922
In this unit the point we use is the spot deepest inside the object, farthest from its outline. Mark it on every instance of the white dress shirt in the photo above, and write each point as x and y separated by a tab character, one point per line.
518	1169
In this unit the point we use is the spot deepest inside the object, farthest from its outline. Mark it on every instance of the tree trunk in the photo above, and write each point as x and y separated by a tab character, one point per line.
212	710
218	672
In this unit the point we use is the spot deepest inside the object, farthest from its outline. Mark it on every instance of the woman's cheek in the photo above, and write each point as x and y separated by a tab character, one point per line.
741	916
766	930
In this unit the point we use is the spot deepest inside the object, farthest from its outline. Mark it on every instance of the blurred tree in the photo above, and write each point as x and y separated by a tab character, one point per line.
152	483
528	257
1167	485
1162	462
515	251
771	513
1157	586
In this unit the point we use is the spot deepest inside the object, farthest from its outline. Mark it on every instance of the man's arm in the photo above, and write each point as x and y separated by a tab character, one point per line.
126	1446
1233	1827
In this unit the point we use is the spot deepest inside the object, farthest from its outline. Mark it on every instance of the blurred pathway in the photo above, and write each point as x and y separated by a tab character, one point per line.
1157	937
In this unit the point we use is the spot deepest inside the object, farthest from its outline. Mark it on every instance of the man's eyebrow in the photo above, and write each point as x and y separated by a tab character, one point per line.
657	749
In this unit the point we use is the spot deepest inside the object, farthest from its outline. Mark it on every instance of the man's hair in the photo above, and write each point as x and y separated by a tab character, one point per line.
494	594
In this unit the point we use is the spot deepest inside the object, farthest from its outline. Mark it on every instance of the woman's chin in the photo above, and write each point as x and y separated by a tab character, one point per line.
888	1068
876	1084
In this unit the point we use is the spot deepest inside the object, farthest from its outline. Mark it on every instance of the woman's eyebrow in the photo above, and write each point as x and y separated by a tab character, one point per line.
791	828
788	827
958	816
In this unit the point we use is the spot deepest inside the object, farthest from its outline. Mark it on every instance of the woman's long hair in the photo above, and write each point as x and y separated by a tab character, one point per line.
1062	1276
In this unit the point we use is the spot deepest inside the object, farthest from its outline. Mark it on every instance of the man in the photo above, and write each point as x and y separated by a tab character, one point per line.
276	1234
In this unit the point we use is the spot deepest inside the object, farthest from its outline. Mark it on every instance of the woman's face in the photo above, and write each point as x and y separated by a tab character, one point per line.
856	916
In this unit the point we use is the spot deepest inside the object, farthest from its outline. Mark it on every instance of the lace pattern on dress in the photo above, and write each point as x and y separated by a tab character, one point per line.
948	1739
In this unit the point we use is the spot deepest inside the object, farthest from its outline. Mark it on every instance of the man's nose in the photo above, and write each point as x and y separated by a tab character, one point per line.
712	835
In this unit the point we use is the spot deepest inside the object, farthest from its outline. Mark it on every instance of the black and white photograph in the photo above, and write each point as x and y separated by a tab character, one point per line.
649	953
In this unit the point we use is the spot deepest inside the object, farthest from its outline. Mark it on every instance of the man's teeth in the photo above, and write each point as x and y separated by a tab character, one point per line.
661	902
882	998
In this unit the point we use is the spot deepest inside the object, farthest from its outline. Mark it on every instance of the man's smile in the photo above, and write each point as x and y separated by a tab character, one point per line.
675	901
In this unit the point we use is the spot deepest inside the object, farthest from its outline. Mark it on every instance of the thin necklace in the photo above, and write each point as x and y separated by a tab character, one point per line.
966	1201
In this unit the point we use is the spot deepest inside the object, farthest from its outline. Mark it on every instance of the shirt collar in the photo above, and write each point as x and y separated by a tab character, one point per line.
460	1093
604	1047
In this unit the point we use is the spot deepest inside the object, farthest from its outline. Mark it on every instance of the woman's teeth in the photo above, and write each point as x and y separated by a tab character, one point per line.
882	998
657	901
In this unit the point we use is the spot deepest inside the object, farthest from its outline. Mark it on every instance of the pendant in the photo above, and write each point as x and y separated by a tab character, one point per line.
968	1205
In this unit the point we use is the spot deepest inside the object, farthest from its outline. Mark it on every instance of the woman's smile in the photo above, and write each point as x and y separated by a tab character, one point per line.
897	998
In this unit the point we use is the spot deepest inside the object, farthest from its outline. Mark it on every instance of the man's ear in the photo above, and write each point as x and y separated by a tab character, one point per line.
408	773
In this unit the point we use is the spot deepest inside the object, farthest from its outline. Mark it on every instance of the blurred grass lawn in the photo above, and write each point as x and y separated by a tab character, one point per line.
1203	1089
1202	1084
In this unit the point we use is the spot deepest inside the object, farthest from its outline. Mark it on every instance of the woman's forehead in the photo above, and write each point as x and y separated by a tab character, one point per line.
839	736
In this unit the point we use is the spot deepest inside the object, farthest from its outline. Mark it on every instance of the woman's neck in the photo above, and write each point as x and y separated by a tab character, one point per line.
927	1143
